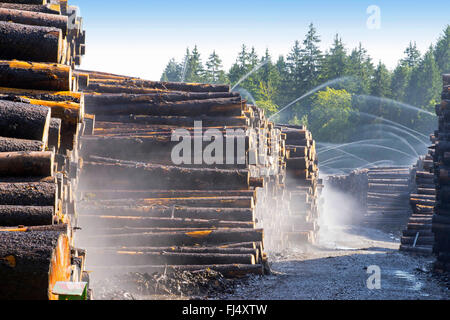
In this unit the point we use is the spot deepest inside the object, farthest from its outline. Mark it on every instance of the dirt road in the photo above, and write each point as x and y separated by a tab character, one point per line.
337	269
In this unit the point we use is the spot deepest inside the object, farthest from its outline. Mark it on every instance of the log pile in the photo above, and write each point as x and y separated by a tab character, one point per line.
299	221
388	197
418	236
146	206
41	121
382	192
355	184
441	159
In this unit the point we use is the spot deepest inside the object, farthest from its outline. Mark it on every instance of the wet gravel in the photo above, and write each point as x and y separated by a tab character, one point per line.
338	269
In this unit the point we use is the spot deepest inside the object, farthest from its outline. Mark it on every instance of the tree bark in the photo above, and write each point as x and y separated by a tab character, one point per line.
39	76
213	107
222	214
178	121
157	222
26	163
28	7
207	237
31	263
54	133
28	194
30	43
24	121
35	19
11	144
151	176
22	215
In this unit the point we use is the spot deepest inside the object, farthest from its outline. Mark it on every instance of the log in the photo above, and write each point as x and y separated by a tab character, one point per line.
31	263
11	144
35	2
159	85
96	99
11	216
144	176
208	237
170	258
23	121
211	107
54	133
56	96
105	194
204	202
177	121
39	76
35	19
222	214
157	222
26	164
30	43
70	113
28	7
28	194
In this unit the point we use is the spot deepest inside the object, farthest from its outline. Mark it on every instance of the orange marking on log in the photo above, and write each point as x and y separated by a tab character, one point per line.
10	260
199	234
14	230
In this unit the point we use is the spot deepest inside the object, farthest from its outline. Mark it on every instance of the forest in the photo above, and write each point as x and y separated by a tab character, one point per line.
336	93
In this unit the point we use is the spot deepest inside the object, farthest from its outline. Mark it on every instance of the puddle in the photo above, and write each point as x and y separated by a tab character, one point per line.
415	284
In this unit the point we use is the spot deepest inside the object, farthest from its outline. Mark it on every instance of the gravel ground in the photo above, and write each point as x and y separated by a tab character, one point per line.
337	269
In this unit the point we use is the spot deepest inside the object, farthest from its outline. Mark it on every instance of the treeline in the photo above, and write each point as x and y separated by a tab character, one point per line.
354	91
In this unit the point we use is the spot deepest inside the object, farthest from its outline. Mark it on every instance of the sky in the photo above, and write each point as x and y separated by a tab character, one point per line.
138	37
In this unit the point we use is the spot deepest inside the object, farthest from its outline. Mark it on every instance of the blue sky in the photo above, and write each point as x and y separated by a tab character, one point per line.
138	37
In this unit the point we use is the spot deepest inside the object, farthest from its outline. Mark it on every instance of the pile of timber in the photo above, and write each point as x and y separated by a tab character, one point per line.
298	222
418	236
41	121
36	31
144	210
441	159
382	193
354	184
388	197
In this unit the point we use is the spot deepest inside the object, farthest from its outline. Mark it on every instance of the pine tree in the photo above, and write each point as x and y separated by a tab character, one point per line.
185	65
400	80
442	51
239	67
172	72
311	59
336	61
412	58
360	66
213	71
294	67
194	69
425	84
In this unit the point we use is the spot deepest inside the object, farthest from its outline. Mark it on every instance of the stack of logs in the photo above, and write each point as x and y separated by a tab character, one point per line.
382	192
298	223
418	236
354	184
32	30
41	121
441	158
143	210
